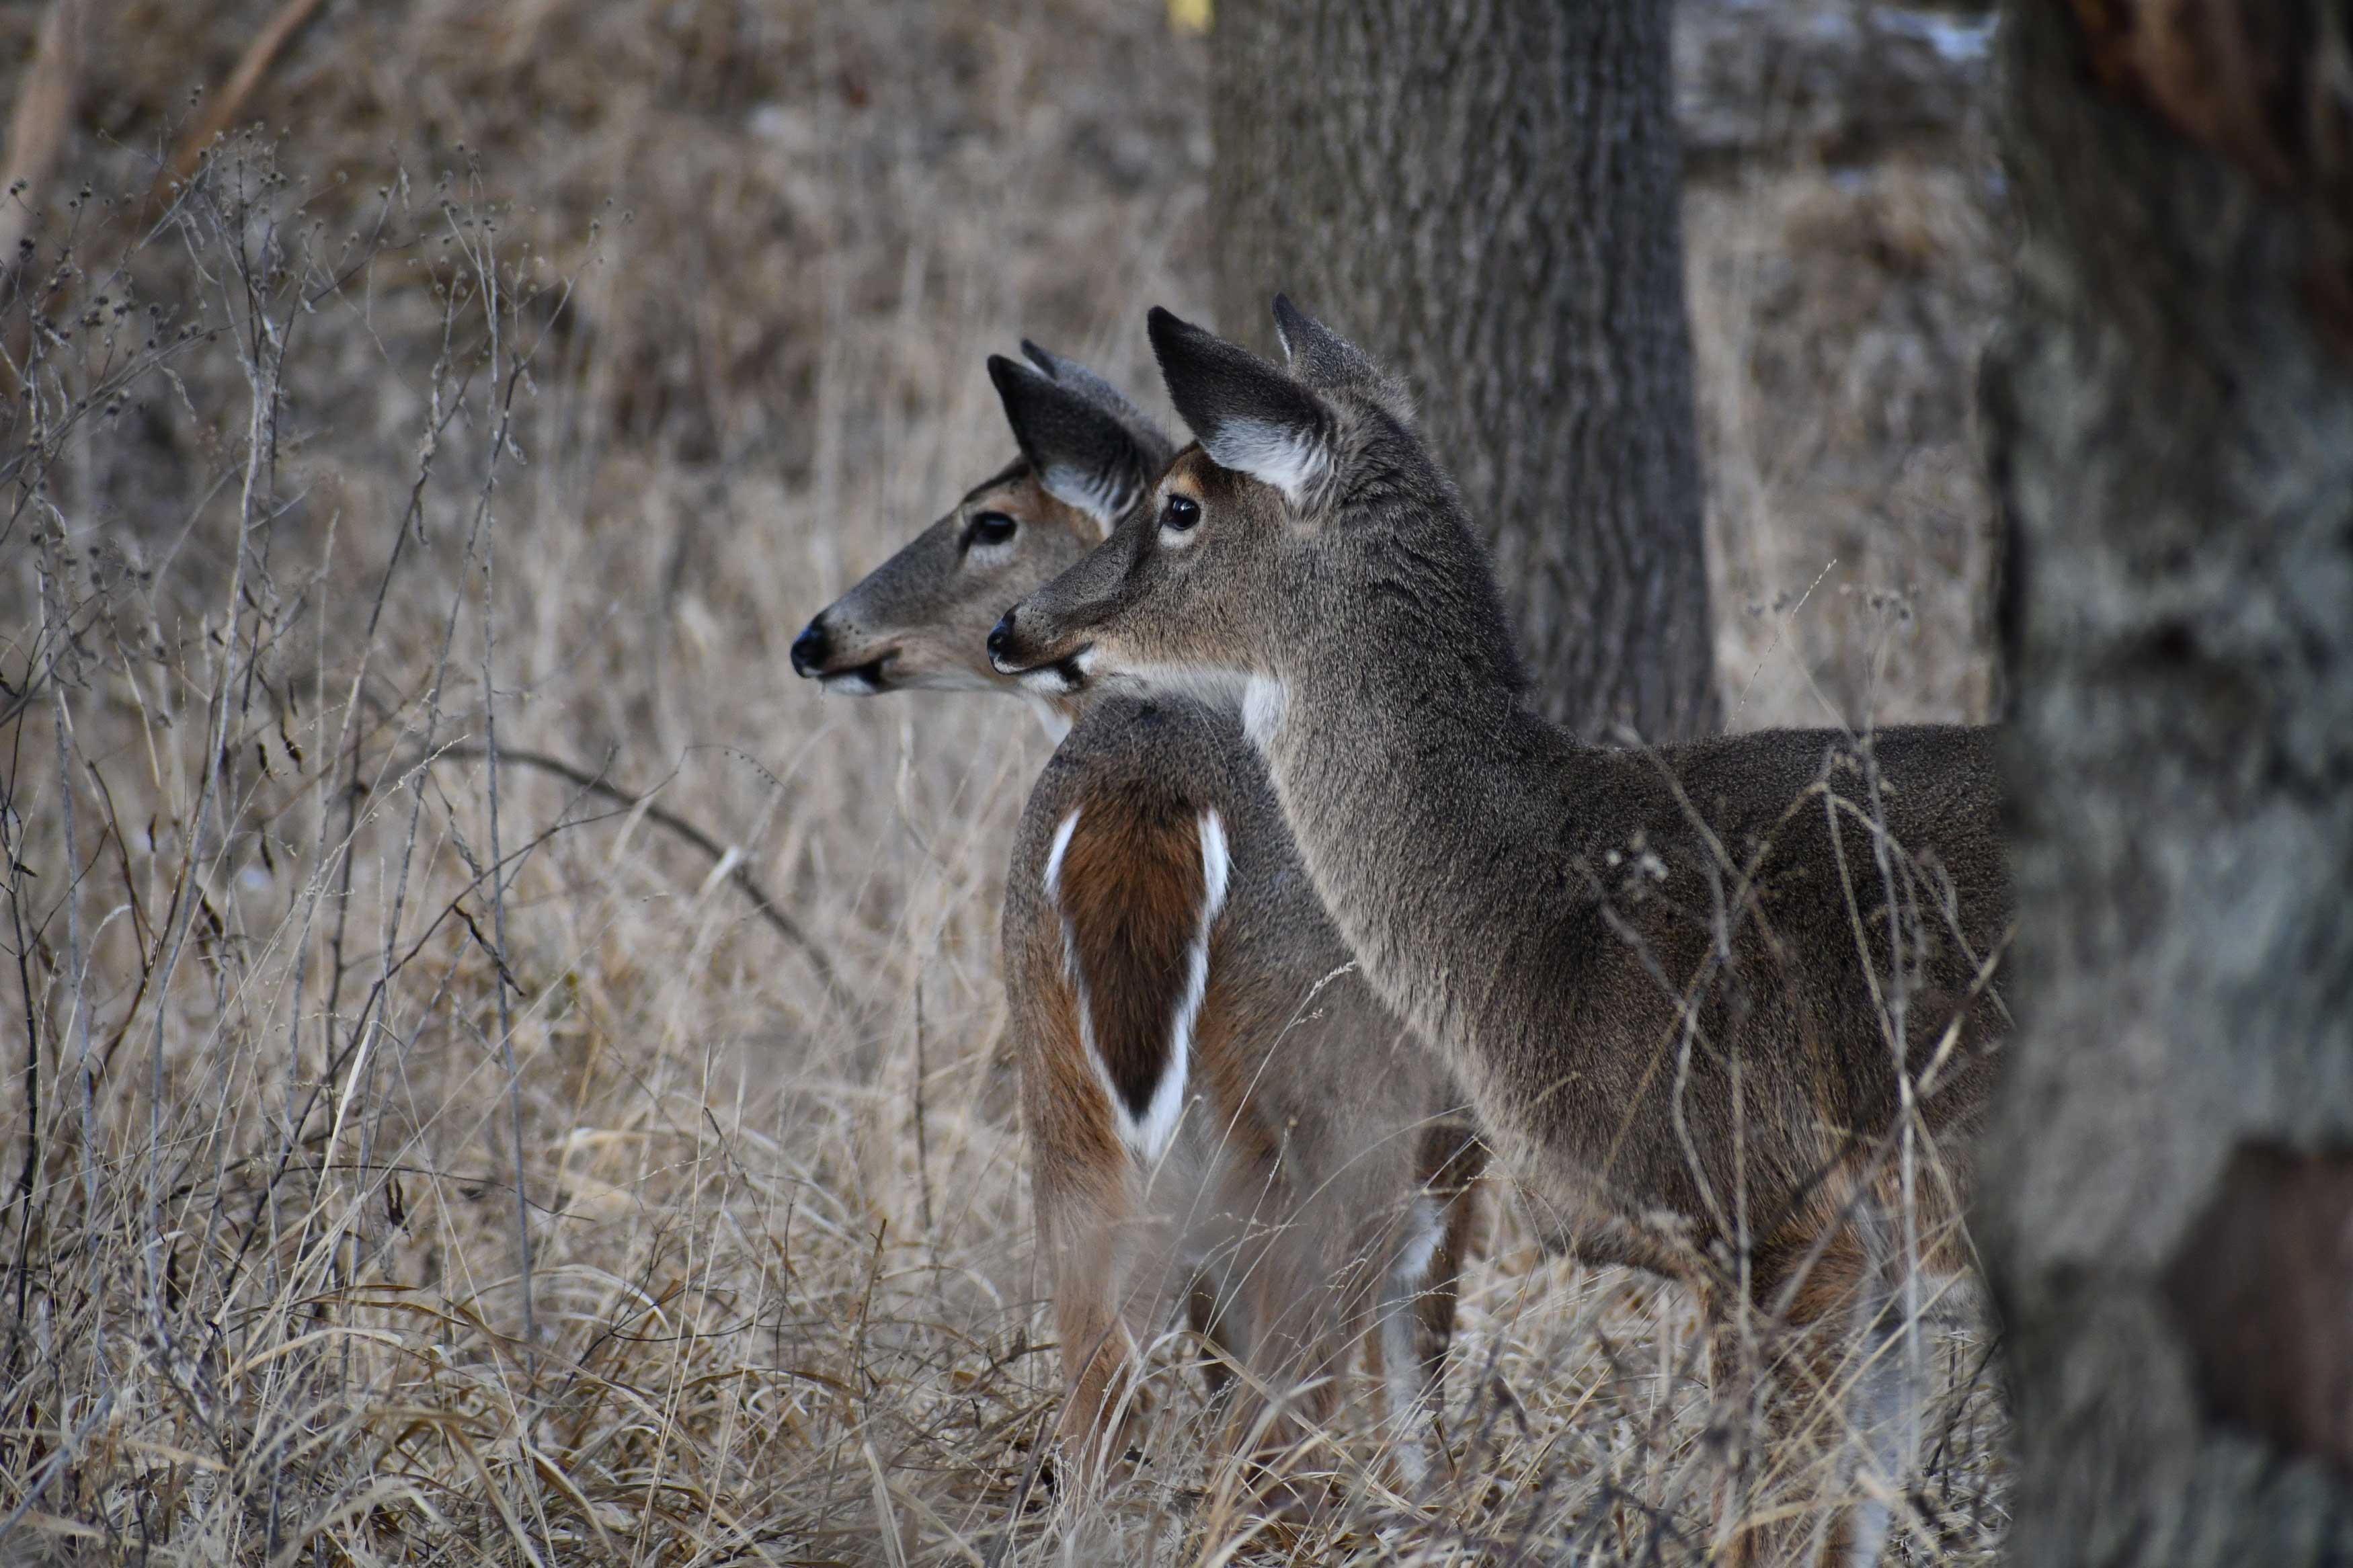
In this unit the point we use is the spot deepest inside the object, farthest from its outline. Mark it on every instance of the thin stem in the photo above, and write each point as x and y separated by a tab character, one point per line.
53	609
923	1137
498	877
260	440
762	901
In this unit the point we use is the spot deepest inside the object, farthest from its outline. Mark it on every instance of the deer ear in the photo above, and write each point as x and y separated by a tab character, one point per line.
1330	363
1084	455
1250	416
1316	353
1072	377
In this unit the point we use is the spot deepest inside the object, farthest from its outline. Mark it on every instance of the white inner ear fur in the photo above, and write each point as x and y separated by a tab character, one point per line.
1102	497
1289	458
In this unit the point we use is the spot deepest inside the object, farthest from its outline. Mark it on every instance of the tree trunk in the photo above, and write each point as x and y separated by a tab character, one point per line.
1485	194
2167	1200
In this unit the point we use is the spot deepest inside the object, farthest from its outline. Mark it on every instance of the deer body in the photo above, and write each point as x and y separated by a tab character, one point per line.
1723	1007
1219	1109
1663	977
1571	902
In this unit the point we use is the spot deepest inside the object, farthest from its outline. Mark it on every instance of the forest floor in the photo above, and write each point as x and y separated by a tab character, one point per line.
549	365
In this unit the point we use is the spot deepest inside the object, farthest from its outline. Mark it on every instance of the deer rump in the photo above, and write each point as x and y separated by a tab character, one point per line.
1217	1105
1137	882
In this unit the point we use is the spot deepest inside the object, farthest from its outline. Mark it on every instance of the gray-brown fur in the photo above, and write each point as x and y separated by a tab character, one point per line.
917	621
1314	1140
1665	981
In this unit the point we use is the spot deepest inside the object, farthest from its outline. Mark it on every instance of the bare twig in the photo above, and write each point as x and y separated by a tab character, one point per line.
12	850
745	883
260	368
259	56
507	365
923	1133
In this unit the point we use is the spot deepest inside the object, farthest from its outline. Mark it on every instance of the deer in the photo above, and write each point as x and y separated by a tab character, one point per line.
1218	1106
1726	1009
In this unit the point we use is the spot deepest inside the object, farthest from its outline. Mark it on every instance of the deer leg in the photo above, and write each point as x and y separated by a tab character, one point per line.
1843	1396
1734	1385
1884	1406
1256	1426
1416	1293
1770	1374
1309	1315
1423	1291
1888	1390
1099	1364
1210	1313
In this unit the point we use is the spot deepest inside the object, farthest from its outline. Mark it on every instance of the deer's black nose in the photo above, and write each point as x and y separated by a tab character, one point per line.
1000	638
808	649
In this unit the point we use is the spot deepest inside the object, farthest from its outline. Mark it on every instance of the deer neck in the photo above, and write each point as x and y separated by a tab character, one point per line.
1411	783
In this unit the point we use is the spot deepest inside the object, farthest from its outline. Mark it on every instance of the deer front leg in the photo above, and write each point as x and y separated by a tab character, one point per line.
1420	1301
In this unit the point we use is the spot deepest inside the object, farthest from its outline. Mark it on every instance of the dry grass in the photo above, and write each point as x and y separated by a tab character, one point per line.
1837	316
549	375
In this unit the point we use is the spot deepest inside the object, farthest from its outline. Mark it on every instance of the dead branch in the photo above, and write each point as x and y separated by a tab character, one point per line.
741	876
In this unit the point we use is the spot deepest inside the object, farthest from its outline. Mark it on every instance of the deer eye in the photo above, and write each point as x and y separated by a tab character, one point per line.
1180	514
990	528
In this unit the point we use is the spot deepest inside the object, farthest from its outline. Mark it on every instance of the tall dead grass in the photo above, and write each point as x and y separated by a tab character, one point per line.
506	1073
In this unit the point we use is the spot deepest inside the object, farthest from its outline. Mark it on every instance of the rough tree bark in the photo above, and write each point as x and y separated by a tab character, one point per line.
1485	193
2168	1201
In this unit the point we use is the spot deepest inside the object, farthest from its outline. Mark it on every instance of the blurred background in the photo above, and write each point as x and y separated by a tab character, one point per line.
548	364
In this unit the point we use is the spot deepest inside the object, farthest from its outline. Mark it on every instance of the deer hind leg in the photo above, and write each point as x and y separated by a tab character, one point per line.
1889	1384
1212	1313
1102	1403
1311	1310
1843	1396
1884	1409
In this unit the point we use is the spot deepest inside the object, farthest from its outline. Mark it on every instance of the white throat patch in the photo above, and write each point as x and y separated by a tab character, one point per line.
1265	701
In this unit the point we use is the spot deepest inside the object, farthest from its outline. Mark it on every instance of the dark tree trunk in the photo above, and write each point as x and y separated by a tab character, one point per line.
1484	194
2167	1200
